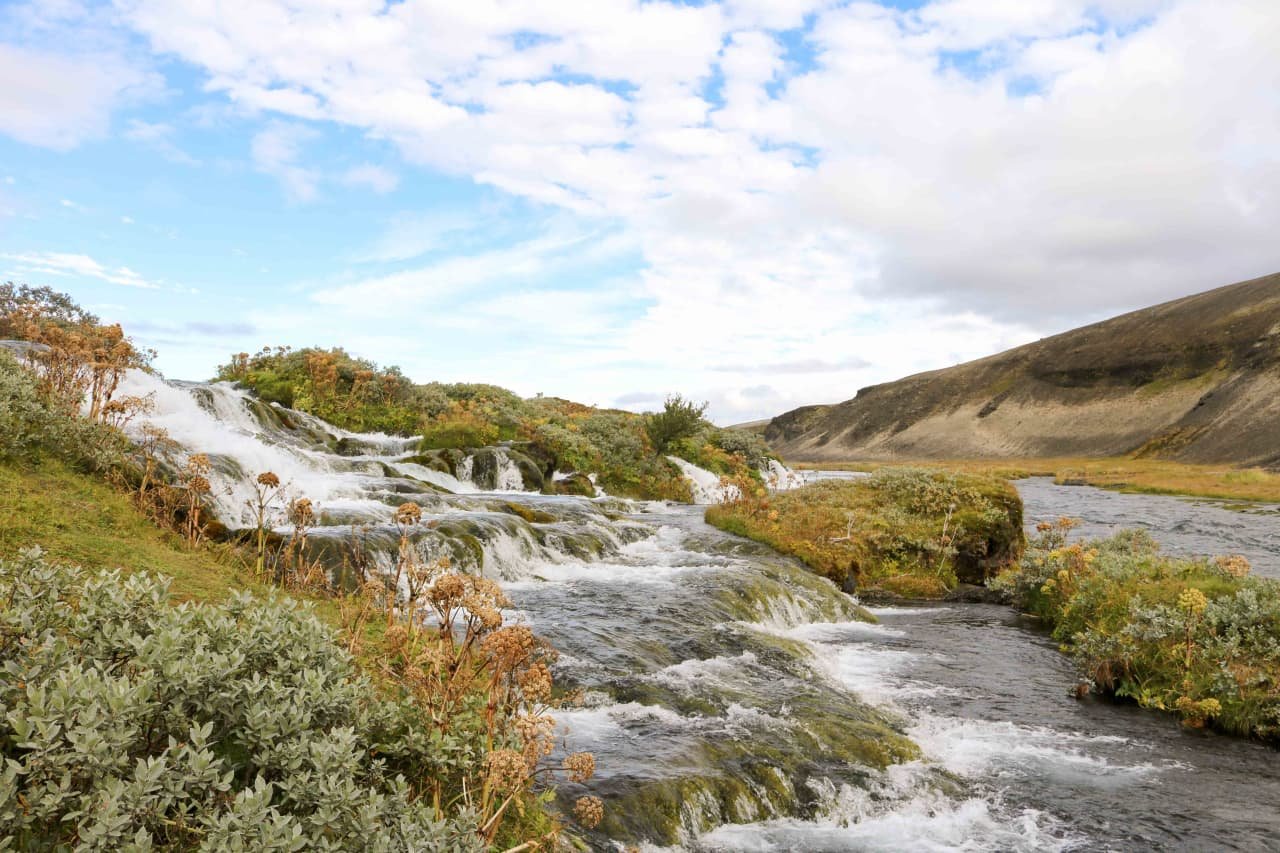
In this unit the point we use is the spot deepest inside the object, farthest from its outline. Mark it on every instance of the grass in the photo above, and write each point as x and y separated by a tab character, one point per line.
910	533
1144	476
77	518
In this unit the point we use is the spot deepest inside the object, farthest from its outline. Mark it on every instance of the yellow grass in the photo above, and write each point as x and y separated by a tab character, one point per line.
1149	476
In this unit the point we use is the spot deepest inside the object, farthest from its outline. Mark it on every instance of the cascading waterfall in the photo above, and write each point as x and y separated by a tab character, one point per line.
733	700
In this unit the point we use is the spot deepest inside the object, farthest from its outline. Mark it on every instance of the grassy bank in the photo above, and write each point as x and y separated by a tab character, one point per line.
907	532
1146	476
1198	638
236	719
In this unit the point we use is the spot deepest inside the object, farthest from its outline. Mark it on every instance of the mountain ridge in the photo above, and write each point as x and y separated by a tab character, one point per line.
1195	379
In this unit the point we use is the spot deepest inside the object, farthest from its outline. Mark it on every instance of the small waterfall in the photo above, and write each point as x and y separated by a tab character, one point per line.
705	485
779	477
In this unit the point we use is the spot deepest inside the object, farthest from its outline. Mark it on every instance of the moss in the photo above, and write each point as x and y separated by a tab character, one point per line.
529	514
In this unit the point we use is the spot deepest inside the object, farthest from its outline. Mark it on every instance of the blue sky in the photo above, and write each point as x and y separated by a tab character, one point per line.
762	204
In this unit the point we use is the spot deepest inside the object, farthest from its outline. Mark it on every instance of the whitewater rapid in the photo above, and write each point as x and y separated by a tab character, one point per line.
720	681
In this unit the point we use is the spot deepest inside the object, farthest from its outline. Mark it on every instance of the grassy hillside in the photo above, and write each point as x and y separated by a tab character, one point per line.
80	519
1194	380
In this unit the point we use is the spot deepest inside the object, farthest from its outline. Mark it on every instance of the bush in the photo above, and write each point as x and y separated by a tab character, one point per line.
1191	636
679	418
459	428
31	430
128	721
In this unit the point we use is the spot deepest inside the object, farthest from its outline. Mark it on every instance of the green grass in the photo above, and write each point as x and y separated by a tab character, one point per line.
912	533
78	519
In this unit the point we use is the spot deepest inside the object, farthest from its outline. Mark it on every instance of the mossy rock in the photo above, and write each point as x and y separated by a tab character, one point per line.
530	470
444	461
575	484
529	514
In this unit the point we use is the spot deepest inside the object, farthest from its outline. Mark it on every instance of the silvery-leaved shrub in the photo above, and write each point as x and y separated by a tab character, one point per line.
129	723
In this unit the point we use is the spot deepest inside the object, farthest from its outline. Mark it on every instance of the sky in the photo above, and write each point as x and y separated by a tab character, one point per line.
759	203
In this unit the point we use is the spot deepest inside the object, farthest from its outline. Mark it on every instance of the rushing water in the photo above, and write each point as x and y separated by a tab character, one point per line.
1193	526
736	702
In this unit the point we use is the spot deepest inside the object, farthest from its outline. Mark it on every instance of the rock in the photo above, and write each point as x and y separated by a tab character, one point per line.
574	484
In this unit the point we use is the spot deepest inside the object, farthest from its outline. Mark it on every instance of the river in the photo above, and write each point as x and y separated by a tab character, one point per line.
736	702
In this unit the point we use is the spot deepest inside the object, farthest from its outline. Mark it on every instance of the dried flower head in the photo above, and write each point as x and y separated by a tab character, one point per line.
507	769
302	513
408	513
537	732
448	590
589	811
269	479
535	682
581	766
1192	601
198	485
1235	565
397	635
199	463
480	608
507	647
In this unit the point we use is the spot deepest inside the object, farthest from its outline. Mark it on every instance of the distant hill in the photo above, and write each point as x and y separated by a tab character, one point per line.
1195	380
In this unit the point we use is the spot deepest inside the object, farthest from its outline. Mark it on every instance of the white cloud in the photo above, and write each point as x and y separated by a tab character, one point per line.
159	137
70	264
1018	164
60	101
275	151
372	177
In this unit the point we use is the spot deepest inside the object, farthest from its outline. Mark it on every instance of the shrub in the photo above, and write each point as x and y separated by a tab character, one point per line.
459	428
1191	636
679	418
31	430
132	722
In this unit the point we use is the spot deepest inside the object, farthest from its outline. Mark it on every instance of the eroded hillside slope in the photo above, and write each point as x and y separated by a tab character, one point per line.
1196	379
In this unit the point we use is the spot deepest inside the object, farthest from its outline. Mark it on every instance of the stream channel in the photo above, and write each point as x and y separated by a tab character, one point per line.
736	702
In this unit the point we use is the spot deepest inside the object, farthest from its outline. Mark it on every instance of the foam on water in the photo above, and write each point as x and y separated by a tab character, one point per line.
704	484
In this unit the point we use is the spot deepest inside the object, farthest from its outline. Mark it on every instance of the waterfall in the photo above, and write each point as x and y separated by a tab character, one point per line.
705	485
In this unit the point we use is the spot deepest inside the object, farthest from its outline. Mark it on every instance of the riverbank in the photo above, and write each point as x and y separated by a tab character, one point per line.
1138	476
901	533
1196	637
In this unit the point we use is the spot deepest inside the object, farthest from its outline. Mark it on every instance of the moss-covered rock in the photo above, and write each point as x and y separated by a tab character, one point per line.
574	484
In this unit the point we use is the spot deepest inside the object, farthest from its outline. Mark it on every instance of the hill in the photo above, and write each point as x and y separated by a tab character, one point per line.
1193	380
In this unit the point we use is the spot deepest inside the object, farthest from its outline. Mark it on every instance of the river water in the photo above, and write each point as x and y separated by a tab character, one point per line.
736	702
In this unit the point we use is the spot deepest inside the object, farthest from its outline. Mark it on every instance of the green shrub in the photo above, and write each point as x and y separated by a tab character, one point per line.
459	428
679	418
1192	636
128	722
30	429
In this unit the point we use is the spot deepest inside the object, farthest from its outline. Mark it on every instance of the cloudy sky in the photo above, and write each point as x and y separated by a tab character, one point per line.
761	203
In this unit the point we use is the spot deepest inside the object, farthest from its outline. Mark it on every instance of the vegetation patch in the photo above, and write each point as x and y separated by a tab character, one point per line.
910	531
1195	637
625	450
1122	474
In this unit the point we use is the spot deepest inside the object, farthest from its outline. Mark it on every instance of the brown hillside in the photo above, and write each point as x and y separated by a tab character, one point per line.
1196	379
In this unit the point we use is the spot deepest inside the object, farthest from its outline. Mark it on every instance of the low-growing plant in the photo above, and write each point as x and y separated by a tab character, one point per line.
131	722
908	532
1196	637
